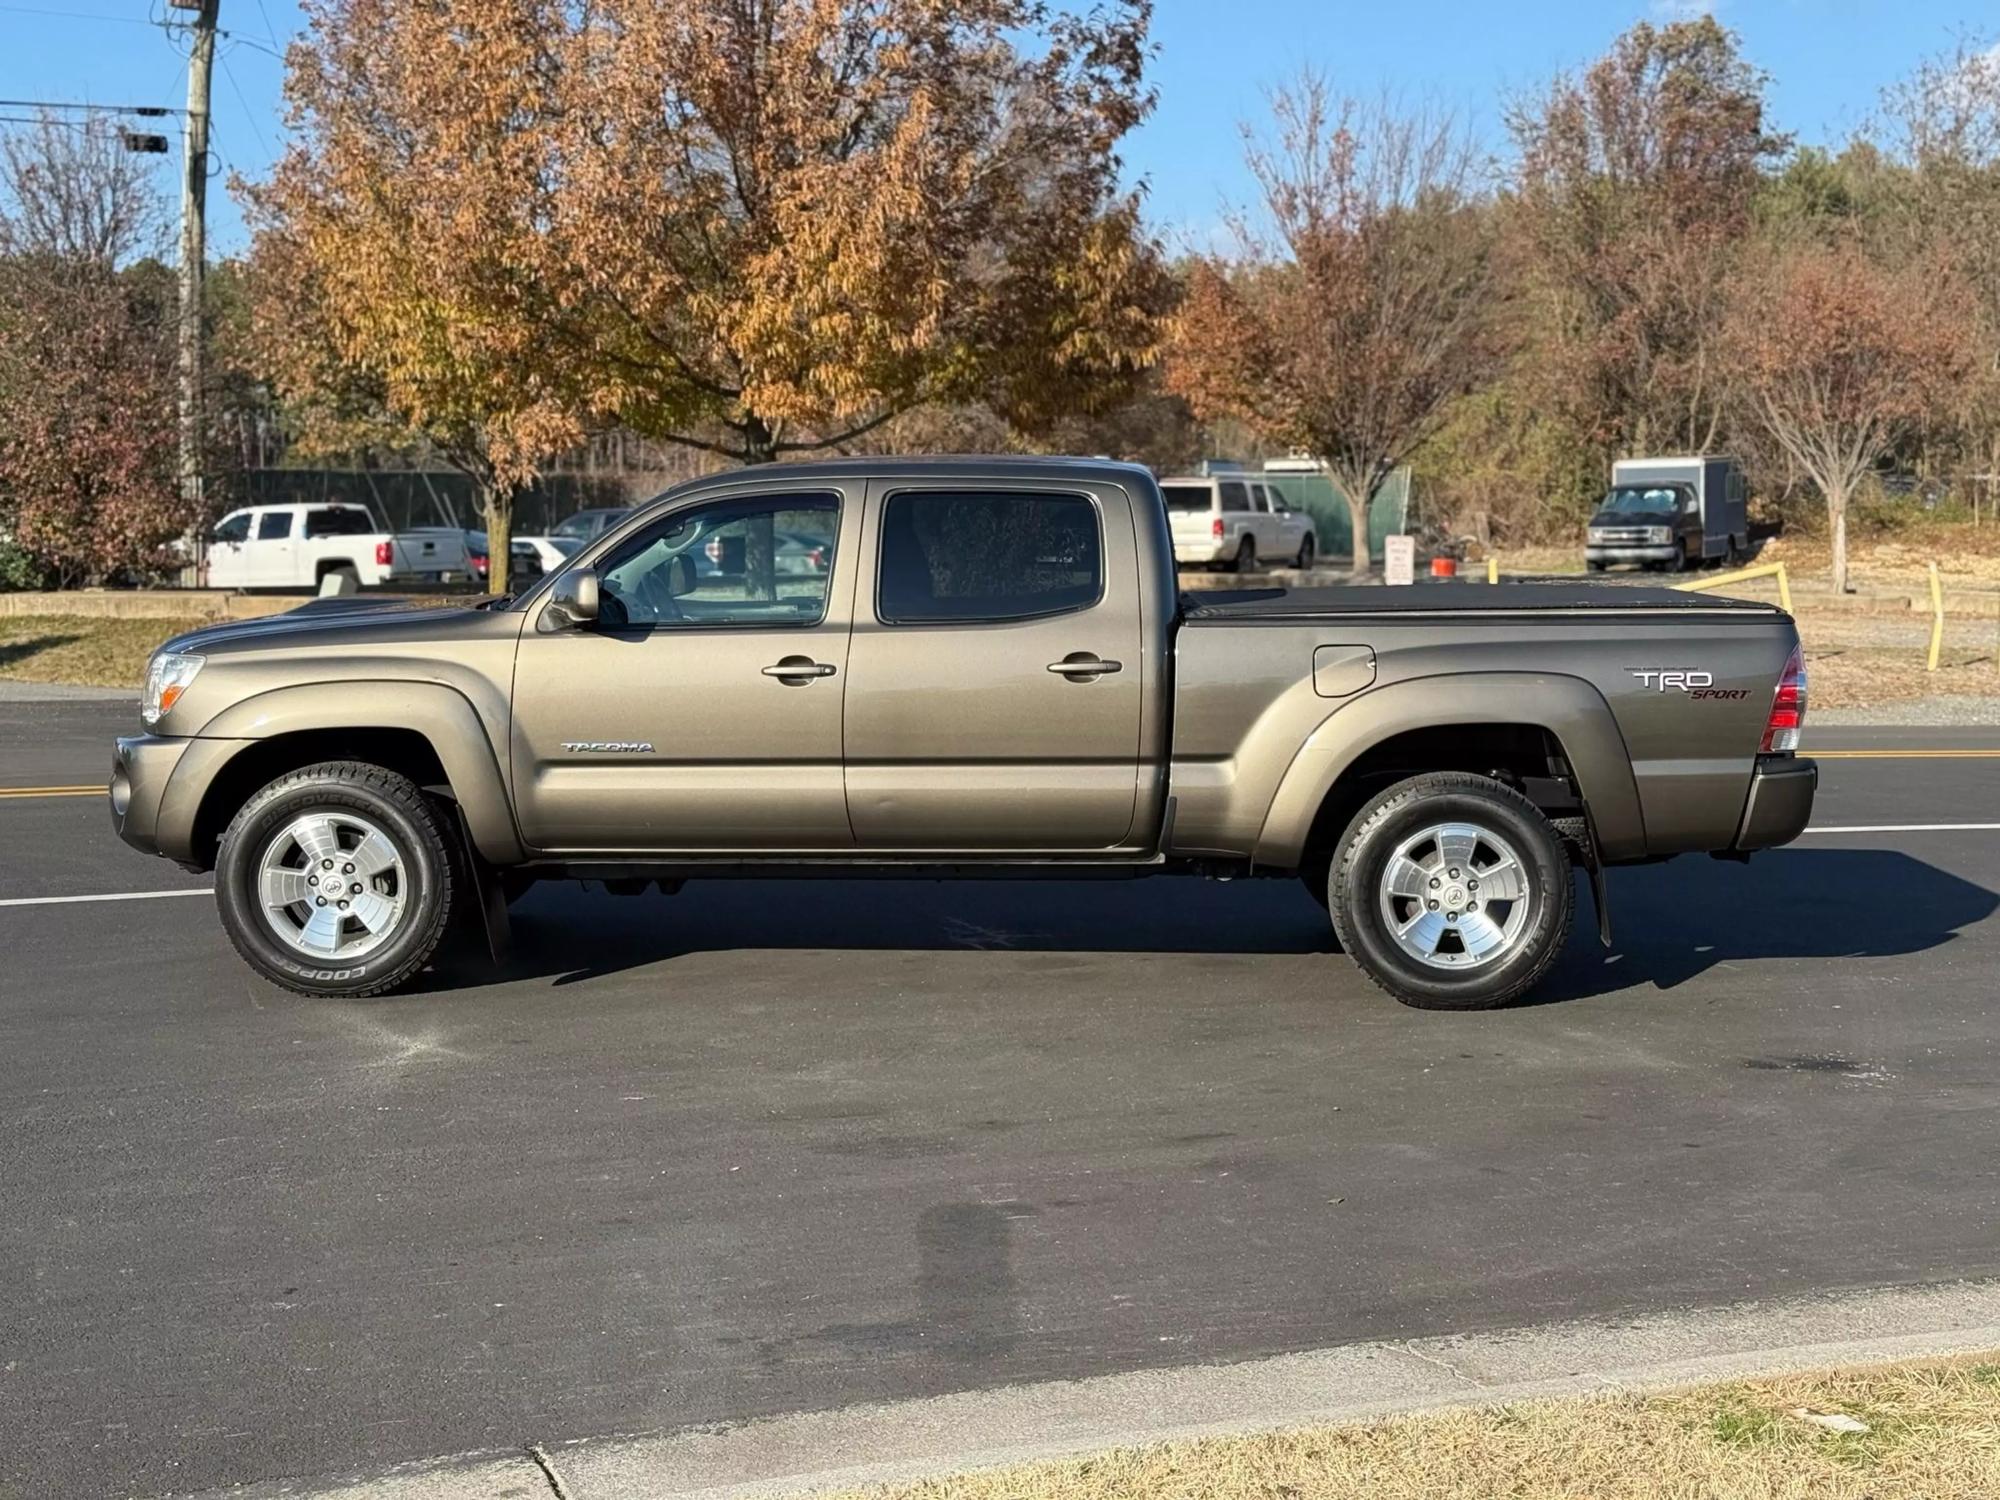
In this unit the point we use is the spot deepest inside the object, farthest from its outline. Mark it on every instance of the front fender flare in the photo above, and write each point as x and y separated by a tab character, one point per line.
1569	708
442	715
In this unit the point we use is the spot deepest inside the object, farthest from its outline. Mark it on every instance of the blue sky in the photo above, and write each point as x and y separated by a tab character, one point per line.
1828	60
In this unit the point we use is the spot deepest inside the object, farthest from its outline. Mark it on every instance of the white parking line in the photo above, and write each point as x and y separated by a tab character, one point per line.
117	896
1905	828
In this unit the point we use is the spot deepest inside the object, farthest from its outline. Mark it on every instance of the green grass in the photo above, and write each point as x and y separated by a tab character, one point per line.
83	649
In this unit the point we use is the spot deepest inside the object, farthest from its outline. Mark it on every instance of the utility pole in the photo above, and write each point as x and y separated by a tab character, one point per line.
194	253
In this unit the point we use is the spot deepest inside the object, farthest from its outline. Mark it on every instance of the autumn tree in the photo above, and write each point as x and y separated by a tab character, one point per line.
756	227
1940	127
1841	355
1357	309
1633	192
87	482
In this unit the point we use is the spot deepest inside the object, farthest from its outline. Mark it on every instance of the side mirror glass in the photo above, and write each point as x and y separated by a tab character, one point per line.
573	601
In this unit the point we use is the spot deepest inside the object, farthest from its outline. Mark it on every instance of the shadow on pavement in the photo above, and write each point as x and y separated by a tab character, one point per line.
1671	922
1675	921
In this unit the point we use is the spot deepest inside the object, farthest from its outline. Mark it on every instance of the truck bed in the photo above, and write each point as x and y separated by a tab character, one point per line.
1466	598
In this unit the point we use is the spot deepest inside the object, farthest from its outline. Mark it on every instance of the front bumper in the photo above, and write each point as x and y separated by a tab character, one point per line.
1665	552
1780	802
141	767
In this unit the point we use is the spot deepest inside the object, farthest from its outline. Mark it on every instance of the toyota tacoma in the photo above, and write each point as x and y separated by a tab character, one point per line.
958	668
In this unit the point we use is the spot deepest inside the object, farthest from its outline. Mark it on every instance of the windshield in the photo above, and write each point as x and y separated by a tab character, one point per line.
1186	497
1638	499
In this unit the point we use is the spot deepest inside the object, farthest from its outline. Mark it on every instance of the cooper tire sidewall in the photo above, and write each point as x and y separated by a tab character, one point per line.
1537	846
237	873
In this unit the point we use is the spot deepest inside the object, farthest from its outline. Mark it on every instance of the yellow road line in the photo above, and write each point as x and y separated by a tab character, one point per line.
51	791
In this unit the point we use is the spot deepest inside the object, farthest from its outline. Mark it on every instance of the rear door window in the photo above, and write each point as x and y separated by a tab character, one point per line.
1235	496
964	556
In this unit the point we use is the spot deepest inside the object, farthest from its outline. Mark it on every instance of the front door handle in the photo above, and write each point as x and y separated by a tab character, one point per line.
1081	666
797	671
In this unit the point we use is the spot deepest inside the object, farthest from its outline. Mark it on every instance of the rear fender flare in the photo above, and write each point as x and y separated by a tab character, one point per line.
1569	708
442	715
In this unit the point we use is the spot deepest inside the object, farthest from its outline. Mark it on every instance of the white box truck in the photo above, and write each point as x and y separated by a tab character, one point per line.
1671	513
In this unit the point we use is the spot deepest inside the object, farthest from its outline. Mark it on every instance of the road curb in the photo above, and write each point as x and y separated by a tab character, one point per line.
813	1452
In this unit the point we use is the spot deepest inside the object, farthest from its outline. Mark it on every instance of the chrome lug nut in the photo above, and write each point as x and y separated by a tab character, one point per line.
1434	882
326	864
347	869
319	901
343	906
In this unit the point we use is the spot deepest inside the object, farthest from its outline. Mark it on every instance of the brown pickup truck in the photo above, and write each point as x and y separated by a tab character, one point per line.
963	667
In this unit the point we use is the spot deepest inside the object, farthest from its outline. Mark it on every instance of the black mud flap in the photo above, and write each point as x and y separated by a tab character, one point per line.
490	898
1582	840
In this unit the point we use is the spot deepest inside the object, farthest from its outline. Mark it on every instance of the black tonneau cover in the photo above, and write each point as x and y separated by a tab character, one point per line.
1451	598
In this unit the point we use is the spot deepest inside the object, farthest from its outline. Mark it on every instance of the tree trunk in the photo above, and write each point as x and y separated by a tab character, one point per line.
1357	515
496	506
1836	507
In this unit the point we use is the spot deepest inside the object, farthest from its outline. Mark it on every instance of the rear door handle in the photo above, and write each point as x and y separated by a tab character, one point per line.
1081	666
797	671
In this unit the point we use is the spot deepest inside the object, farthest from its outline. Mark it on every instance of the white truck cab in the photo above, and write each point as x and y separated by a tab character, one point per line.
300	545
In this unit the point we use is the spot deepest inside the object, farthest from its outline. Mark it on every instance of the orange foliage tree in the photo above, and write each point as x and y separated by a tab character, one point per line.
1840	356
1347	332
756	227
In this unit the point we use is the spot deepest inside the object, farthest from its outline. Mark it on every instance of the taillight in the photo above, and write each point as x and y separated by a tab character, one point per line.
1788	708
385	553
1215	528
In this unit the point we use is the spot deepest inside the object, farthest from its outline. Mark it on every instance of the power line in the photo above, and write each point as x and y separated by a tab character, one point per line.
150	111
75	15
248	113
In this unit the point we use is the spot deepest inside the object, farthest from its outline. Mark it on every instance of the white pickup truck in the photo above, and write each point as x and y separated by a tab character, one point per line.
301	545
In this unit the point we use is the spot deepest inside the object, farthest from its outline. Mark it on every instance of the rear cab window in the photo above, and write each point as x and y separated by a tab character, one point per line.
968	556
338	521
1188	498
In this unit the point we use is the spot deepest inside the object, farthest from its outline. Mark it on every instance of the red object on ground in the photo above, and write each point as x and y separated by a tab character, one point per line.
1444	567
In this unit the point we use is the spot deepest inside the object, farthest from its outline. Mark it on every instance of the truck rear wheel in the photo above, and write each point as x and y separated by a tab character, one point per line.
336	880
1452	892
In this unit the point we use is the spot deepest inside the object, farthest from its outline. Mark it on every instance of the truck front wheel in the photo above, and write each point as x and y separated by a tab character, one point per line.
1452	892
336	880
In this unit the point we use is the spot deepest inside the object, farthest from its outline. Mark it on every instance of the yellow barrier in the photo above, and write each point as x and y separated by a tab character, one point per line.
1744	575
1937	618
1492	570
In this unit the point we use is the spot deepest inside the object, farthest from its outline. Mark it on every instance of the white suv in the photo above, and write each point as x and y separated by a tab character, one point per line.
1241	521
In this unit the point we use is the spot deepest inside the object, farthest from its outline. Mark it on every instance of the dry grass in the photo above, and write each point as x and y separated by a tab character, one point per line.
1933	1434
82	649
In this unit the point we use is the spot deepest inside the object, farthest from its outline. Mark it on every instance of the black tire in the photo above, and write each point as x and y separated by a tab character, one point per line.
1355	882
1678	563
1593	567
1246	555
1304	561
390	802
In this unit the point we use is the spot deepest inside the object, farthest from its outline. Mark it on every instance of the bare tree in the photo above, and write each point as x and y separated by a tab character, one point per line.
71	193
1840	356
1357	309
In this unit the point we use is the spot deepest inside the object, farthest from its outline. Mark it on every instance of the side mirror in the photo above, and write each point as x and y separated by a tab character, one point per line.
573	601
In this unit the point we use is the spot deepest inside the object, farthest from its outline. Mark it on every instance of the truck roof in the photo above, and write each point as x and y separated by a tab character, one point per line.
952	466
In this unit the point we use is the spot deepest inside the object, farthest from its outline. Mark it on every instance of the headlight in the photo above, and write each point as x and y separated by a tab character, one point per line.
167	677
1659	535
1597	536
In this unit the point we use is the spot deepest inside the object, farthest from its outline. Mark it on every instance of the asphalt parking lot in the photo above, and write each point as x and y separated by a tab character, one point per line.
776	1146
